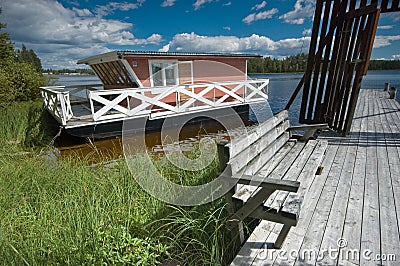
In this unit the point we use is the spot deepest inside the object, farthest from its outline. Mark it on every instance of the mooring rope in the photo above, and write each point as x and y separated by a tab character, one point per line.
51	144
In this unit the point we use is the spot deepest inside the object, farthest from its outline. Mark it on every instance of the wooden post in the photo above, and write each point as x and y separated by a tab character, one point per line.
387	86
392	93
235	228
223	154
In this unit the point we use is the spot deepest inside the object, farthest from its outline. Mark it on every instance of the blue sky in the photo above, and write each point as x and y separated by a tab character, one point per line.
64	31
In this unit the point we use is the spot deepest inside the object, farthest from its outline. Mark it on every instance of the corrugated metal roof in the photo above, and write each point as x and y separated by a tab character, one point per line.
114	55
154	53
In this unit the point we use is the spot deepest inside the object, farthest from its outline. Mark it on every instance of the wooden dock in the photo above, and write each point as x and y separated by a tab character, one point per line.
351	212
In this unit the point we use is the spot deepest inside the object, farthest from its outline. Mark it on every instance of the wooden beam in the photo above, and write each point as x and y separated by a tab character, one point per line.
261	181
371	40
274	215
311	61
309	127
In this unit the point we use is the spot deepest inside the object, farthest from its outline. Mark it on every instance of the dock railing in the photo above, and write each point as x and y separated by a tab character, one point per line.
158	102
153	102
57	99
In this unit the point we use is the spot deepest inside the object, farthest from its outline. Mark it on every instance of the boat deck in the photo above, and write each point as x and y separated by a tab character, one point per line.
351	212
82	114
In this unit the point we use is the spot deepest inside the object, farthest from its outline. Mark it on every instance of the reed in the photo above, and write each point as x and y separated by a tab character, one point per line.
60	211
24	126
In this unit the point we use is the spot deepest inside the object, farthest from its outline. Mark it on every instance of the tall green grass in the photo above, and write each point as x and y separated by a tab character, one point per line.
64	212
68	213
24	126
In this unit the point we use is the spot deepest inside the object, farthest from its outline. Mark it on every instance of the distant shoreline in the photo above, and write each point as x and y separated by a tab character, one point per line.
277	73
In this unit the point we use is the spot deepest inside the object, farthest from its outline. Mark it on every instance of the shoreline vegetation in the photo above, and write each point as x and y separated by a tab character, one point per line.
60	211
20	72
298	64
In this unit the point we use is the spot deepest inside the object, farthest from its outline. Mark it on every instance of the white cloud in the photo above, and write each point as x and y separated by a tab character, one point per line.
197	5
302	9
227	4
307	32
113	6
56	32
395	16
259	16
259	6
192	42
227	28
69	55
75	2
386	27
167	3
153	39
383	41
82	12
165	48
396	56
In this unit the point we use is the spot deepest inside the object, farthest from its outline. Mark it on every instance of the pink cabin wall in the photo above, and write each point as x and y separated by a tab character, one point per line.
218	71
141	70
205	69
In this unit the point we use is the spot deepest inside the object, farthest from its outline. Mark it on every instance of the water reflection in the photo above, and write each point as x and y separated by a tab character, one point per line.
109	149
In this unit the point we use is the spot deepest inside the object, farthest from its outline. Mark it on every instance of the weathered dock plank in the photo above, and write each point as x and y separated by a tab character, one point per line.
355	200
334	226
353	220
390	193
370	236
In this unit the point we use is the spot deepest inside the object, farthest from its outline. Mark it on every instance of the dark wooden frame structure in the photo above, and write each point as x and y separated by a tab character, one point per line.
114	75
341	44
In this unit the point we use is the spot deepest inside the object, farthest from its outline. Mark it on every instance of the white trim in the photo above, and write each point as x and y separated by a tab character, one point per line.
102	58
191	70
176	73
243	92
132	72
246	69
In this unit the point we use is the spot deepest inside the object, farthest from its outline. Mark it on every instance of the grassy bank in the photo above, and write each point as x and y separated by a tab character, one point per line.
63	212
24	127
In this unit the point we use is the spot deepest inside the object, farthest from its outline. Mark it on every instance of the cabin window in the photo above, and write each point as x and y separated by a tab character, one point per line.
163	73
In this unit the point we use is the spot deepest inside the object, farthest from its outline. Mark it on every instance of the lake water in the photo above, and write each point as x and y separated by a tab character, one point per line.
281	88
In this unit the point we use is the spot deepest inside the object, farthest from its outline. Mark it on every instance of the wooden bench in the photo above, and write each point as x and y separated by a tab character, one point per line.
272	171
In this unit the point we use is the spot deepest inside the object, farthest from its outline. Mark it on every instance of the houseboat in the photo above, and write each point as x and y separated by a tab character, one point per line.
152	86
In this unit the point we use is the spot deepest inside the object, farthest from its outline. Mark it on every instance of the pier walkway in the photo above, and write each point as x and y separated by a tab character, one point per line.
351	213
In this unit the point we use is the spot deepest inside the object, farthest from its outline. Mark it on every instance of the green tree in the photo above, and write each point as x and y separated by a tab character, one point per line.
6	46
295	63
298	63
28	56
384	64
19	81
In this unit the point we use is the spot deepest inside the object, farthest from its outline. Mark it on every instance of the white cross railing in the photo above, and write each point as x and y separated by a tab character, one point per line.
57	103
153	102
57	100
164	101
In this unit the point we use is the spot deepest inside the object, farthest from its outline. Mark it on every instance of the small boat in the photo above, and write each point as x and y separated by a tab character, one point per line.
152	86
